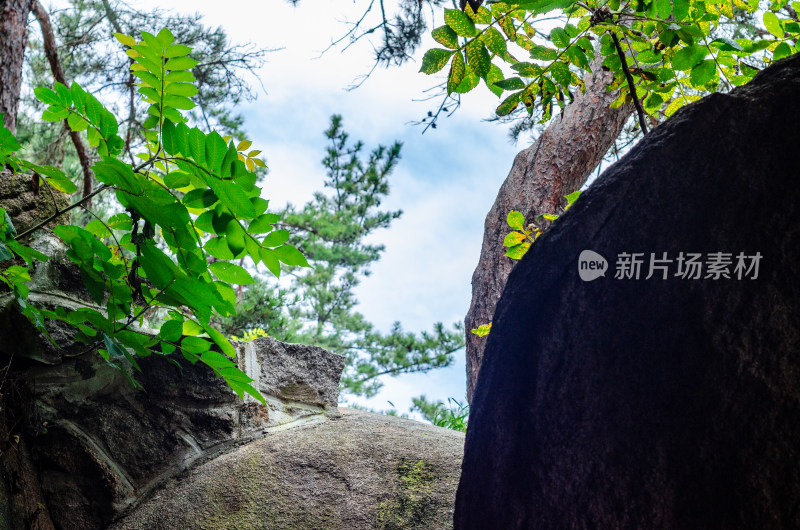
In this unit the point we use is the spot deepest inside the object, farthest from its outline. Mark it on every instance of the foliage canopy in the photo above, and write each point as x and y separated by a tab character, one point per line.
191	206
663	53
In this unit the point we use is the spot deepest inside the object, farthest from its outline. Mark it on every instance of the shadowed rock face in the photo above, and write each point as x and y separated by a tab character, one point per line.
660	403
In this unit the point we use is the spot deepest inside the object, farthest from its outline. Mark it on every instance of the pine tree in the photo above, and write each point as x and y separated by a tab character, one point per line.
332	230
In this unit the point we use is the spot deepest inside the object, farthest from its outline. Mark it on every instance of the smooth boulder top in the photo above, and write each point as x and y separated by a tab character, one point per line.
359	471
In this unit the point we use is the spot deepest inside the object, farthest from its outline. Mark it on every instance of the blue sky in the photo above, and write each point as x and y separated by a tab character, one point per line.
445	184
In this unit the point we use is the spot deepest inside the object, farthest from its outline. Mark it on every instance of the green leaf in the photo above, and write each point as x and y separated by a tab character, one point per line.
97	228
215	151
495	41
680	9
199	198
177	50
230	273
773	24
478	58
508	105
434	60
577	57
513	238
263	223
182	89
653	103
271	261
218	248
234	197
460	23
559	37
53	176
180	63
220	340
703	73
494	75
290	256
165	38
195	345
127	40
177	76
276	238
663	9
517	251
516	220
469	82
5	254
445	36
457	71
114	349
177	180
190	327
47	96
482	330
545	6
171	330
26	253
7	141
726	45
688	57
160	269
649	57
512	83
528	69
77	123
781	50
561	73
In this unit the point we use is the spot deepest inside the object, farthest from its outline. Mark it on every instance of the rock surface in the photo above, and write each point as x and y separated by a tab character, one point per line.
28	204
360	471
655	403
95	447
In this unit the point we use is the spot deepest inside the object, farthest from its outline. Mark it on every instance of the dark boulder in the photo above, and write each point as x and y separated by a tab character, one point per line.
655	403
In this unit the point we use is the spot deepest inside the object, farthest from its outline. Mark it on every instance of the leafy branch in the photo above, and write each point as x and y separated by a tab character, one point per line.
194	197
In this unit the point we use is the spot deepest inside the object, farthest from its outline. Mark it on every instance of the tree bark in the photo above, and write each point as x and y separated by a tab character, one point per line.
13	39
557	164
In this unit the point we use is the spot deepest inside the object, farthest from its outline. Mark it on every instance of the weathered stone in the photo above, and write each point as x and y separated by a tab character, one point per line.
100	446
660	403
360	471
28	204
307	374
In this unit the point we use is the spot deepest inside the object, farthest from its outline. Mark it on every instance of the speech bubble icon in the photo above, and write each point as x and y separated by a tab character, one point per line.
591	265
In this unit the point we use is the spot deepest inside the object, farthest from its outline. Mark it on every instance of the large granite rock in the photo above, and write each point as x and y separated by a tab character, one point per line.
655	403
359	471
96	447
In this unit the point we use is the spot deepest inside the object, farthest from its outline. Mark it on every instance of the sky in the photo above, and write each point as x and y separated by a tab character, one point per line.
445	183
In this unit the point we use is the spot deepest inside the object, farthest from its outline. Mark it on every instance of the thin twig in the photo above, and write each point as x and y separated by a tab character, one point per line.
631	86
51	51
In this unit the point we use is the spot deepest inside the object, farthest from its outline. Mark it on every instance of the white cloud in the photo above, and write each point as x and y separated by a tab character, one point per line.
445	183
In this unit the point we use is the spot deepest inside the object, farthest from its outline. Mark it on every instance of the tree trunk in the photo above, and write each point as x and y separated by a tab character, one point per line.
557	164
13	39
